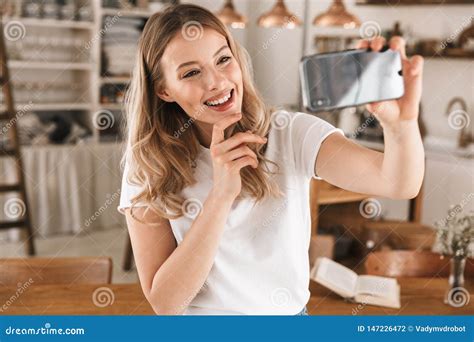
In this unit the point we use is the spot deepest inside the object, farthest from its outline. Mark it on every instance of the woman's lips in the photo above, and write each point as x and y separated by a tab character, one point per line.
226	105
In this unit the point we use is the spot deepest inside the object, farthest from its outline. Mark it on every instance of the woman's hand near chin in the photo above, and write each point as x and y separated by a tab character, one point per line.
230	155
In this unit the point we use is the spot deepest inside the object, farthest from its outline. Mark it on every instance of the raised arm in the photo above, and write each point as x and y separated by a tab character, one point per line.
398	172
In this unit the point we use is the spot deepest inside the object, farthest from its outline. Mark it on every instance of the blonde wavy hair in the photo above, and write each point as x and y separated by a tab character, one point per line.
161	161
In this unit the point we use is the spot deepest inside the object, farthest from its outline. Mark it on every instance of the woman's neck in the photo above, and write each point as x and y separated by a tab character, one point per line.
204	133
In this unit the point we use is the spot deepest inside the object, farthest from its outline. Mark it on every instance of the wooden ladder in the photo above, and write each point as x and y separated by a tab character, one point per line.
15	208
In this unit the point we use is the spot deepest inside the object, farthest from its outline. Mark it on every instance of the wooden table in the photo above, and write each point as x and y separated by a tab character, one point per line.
420	296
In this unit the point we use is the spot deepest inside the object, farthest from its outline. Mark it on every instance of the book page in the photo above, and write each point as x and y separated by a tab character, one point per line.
337	277
377	286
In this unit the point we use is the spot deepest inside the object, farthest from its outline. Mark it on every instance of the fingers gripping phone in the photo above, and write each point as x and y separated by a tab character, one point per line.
350	78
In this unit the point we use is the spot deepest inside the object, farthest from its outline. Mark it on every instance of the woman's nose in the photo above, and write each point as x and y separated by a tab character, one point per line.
214	80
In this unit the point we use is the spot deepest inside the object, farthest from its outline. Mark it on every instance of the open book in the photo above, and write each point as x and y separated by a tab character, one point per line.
366	289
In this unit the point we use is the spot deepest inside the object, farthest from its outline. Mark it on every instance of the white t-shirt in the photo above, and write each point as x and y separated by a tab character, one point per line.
262	265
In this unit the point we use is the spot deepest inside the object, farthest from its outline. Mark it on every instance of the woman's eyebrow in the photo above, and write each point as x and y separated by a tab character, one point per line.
193	62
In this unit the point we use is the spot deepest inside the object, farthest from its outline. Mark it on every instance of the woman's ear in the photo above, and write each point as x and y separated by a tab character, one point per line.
164	95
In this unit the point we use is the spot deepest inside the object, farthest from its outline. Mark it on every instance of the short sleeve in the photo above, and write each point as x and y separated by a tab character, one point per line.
307	134
128	191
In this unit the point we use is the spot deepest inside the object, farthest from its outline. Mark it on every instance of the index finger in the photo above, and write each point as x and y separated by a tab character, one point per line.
220	126
398	43
362	44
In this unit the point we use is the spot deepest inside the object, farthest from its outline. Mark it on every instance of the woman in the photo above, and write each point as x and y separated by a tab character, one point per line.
215	188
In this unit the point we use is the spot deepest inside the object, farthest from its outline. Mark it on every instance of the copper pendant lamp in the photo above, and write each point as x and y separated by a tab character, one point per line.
279	16
229	16
337	15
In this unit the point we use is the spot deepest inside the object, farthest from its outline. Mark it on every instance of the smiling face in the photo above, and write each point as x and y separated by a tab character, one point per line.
203	77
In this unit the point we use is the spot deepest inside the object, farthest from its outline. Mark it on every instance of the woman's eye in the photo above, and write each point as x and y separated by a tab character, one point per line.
191	73
224	59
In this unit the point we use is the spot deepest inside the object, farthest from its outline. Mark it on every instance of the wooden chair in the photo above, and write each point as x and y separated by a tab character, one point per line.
401	263
388	234
394	234
45	271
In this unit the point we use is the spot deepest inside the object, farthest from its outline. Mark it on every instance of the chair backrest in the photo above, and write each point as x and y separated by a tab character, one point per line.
45	271
407	263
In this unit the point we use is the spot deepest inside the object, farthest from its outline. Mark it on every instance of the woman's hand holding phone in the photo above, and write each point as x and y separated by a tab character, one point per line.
230	155
392	112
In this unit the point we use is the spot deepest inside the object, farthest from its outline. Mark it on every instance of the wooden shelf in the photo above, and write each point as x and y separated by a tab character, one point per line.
51	106
111	106
126	13
450	57
52	23
18	64
114	79
336	195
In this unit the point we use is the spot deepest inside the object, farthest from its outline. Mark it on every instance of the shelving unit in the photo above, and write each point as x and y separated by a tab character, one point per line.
18	64
87	72
53	106
53	23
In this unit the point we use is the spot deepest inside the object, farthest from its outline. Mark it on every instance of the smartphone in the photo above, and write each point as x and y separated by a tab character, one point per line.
334	80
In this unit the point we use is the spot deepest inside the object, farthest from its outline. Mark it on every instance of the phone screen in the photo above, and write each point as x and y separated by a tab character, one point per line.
350	78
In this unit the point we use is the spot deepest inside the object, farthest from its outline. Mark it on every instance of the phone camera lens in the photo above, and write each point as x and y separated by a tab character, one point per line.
320	102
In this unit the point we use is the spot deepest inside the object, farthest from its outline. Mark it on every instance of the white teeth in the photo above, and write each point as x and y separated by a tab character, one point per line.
219	101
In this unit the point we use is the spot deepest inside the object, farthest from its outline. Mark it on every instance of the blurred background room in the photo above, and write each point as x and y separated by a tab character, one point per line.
69	64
